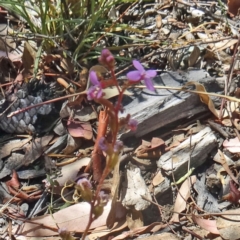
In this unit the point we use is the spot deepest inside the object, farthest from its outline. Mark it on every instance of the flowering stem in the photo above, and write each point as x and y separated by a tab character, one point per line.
115	80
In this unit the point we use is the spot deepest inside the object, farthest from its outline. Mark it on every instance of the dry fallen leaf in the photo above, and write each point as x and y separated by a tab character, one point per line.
233	6
146	229
232	145
228	225
12	146
182	197
69	172
158	21
134	219
73	218
159	178
209	225
220	158
193	56
104	231
72	145
151	149
205	98
80	129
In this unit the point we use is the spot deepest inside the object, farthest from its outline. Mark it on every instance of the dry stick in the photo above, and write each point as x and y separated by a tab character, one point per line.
46	102
229	78
157	87
231	119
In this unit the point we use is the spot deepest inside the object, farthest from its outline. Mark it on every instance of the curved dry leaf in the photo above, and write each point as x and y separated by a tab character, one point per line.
80	129
209	225
12	146
182	197
233	6
223	44
70	171
205	98
194	56
134	219
158	21
159	178
232	145
154	227
73	218
104	231
72	145
229	225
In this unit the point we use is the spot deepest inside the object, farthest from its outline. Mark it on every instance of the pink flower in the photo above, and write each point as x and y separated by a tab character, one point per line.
142	74
107	58
132	124
84	183
118	146
102	144
94	91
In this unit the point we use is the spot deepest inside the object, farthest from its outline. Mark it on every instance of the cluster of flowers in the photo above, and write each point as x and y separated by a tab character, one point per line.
107	59
111	148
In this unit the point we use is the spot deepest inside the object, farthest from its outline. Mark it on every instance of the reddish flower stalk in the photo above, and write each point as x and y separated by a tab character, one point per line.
111	147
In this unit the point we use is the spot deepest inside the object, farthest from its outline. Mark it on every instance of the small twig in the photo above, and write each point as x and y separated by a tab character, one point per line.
46	102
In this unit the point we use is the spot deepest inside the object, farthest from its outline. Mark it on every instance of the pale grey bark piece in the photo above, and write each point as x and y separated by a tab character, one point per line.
134	187
194	149
154	110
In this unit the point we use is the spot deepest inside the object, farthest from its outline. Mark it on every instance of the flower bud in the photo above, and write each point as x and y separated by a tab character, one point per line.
132	124
84	185
97	211
102	144
107	58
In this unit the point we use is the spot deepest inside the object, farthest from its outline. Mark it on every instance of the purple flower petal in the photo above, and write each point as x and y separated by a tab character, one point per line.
149	84
90	93
102	144
134	76
84	183
132	124
99	93
93	78
151	73
118	146
138	66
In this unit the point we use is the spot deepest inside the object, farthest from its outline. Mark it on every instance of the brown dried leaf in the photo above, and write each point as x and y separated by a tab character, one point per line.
69	172
158	179
162	236
74	219
114	192
146	229
151	149
28	58
36	149
229	225
182	197
12	146
104	231
134	219
194	56
80	129
205	98
233	6
232	145
220	158
209	225
72	144
158	21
